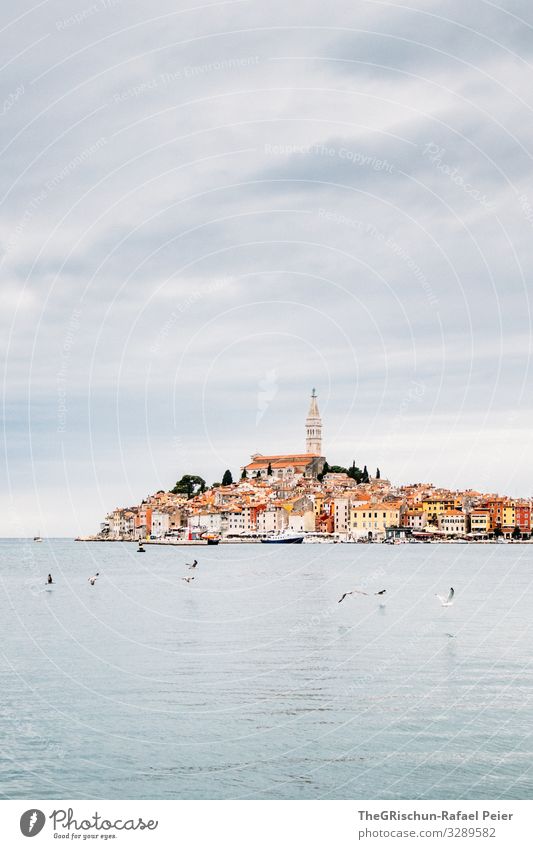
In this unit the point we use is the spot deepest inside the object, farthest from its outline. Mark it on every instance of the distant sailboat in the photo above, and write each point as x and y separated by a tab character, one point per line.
38	538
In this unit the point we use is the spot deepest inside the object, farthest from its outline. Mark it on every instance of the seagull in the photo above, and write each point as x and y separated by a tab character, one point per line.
381	592
352	592
446	601
92	580
190	578
192	565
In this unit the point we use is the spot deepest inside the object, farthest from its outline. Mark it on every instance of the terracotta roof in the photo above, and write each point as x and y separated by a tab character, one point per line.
265	459
389	506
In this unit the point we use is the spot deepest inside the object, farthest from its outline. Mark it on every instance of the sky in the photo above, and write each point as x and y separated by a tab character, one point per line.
209	208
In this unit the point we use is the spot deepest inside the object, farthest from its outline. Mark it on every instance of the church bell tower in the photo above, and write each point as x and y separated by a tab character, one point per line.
313	428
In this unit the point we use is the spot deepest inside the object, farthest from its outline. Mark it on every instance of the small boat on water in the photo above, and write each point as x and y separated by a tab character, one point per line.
211	539
38	538
286	538
141	549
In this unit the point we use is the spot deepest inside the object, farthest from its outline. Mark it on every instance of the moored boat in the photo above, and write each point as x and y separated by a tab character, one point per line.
285	538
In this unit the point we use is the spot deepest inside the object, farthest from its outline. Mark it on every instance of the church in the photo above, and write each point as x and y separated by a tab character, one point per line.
284	466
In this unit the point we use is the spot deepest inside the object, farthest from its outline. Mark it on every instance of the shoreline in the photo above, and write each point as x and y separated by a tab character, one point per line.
311	542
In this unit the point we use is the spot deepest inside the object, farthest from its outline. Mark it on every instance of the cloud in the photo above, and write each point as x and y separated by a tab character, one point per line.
194	199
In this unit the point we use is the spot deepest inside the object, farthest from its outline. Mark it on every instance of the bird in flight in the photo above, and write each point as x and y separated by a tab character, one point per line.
190	578
359	592
192	565
352	592
93	580
446	601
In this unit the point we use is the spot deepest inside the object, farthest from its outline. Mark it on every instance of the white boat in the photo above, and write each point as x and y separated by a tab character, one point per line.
313	538
285	537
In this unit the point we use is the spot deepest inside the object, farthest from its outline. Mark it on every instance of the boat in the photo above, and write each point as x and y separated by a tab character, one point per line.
318	538
285	538
38	538
141	549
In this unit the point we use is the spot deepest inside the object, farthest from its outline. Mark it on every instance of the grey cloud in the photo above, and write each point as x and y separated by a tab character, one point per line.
345	273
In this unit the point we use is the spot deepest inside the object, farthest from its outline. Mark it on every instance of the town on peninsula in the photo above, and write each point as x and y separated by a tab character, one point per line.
300	497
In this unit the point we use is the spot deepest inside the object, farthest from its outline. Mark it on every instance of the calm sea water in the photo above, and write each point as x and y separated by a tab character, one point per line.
253	682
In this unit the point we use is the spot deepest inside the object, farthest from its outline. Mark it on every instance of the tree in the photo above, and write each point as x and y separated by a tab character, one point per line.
325	470
244	474
189	485
355	473
269	470
517	533
338	470
366	476
498	531
227	478
378	474
258	474
215	484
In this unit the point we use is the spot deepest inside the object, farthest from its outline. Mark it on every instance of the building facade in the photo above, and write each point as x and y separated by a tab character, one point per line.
289	466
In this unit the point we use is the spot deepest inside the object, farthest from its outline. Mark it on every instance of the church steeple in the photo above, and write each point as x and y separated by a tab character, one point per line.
313	428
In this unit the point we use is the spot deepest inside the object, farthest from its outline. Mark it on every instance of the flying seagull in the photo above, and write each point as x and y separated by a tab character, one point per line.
192	565
92	580
190	578
352	592
446	601
381	592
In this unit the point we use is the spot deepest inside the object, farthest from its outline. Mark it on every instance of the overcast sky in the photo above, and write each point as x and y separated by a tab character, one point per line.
209	208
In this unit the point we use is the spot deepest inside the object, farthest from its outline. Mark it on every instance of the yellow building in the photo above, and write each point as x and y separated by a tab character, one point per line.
435	507
319	503
509	515
371	520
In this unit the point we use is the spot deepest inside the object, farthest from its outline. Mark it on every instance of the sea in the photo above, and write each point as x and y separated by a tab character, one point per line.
252	681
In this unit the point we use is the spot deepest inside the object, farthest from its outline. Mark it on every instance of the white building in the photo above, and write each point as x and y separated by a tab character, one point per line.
301	521
452	522
272	519
209	522
233	521
160	524
415	519
341	515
